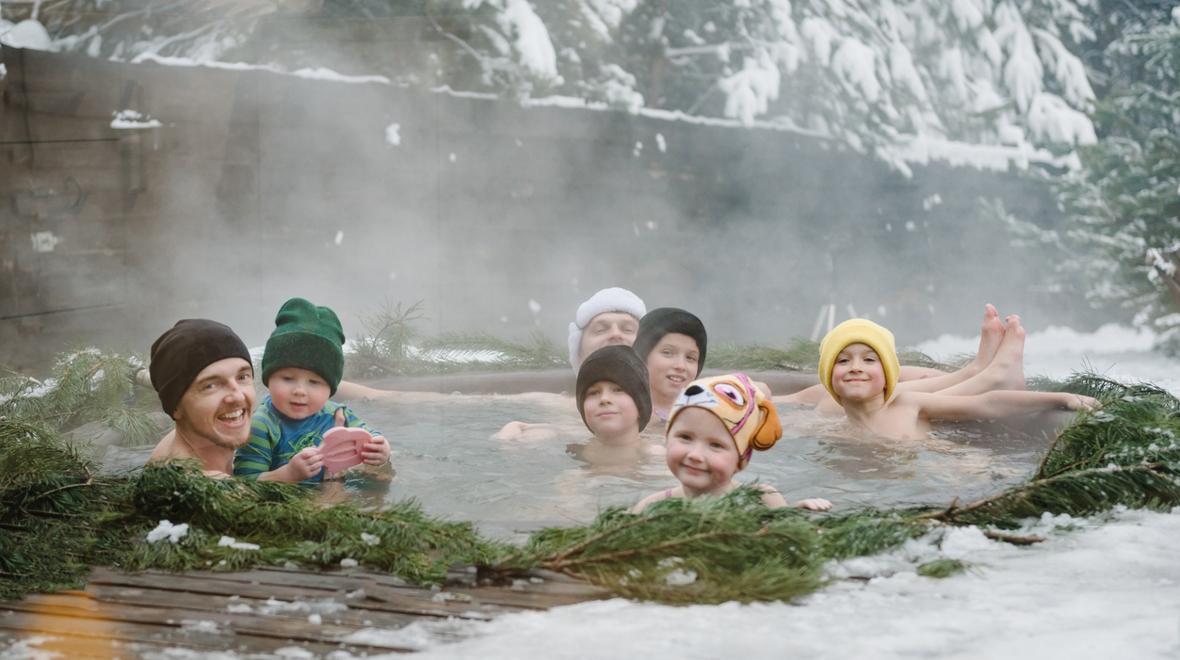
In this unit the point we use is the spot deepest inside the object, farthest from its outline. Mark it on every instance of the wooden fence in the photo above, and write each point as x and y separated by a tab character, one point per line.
256	186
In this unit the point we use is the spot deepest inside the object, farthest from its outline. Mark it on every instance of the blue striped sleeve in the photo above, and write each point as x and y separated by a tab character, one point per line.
257	455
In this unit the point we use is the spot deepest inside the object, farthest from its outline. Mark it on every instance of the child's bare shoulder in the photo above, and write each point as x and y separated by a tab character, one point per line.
907	399
771	498
657	497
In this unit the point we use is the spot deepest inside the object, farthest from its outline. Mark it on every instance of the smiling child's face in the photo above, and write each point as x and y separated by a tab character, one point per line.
700	452
298	393
609	410
673	362
858	374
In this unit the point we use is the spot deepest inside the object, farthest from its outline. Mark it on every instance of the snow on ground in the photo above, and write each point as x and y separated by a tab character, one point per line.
1098	588
1094	589
1114	351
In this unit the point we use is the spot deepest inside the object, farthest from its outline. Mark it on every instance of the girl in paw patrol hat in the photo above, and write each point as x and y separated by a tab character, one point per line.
713	429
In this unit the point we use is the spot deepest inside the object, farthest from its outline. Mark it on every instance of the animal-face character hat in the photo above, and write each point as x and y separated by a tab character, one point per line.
859	331
747	414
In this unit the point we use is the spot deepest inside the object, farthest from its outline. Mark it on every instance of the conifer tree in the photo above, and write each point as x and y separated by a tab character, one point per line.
1121	245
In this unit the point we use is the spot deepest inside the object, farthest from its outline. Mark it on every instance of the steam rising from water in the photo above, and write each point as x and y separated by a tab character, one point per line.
260	186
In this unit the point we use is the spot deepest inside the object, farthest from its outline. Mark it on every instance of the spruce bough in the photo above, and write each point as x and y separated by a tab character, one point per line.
59	516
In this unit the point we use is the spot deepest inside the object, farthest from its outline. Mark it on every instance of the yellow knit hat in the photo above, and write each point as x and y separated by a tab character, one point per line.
747	414
859	331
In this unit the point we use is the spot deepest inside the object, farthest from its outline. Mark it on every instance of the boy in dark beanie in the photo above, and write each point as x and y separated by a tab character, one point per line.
302	366
614	400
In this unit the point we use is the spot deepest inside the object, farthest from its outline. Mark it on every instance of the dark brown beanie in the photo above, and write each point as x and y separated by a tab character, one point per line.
621	366
664	320
184	350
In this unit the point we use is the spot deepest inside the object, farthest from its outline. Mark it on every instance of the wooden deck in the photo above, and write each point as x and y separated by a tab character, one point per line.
260	611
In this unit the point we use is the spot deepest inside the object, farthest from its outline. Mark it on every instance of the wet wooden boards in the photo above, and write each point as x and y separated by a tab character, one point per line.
264	611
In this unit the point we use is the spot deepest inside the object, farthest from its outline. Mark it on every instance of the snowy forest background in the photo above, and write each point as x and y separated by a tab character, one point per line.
1081	95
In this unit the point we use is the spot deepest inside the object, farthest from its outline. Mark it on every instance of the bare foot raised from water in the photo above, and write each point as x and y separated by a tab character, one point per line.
991	333
1005	371
1007	367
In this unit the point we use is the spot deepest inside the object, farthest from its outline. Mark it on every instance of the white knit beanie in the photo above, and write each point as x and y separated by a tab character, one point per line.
613	299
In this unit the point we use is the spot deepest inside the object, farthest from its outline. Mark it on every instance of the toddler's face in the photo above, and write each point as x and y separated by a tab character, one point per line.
700	452
858	374
609	409
298	393
672	364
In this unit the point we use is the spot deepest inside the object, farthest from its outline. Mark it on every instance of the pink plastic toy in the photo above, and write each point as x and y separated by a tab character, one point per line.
341	448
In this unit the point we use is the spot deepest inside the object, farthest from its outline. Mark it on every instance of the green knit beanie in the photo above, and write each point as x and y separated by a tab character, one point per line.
305	337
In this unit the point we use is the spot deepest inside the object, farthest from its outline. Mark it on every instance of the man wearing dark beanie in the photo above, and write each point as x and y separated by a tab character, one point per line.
202	373
672	344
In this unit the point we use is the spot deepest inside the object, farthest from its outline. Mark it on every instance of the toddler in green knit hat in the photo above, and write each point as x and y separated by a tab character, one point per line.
301	366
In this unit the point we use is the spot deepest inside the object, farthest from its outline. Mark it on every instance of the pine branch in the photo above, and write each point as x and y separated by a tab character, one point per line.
60	518
560	564
1021	492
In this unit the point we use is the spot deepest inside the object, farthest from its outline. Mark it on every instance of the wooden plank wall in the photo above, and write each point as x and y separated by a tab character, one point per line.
235	202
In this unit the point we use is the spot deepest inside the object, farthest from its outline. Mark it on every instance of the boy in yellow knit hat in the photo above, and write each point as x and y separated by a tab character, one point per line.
713	429
859	368
998	364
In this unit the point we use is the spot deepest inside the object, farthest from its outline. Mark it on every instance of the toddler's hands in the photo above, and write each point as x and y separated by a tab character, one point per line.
814	504
375	451
306	464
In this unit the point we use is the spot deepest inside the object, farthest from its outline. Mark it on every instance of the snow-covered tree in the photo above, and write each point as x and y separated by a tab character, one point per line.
873	73
1120	244
126	29
1124	202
